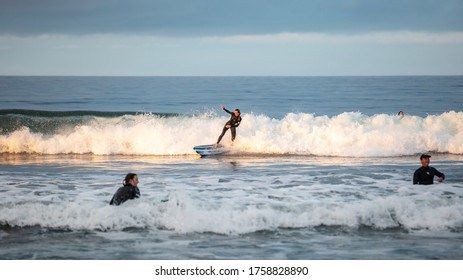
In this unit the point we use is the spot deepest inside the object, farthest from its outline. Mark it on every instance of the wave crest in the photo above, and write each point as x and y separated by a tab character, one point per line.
185	215
349	134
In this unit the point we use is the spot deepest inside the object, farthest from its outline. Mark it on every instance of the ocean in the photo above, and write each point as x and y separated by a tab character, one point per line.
321	168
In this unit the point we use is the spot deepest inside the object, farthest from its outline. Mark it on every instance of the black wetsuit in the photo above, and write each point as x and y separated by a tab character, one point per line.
425	175
234	122
125	193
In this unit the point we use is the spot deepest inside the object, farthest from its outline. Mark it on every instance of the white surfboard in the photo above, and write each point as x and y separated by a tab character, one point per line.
209	150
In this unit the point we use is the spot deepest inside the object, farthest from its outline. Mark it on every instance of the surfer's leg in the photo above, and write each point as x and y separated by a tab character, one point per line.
233	133
221	135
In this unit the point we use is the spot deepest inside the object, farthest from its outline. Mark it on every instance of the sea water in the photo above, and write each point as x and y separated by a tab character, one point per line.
321	168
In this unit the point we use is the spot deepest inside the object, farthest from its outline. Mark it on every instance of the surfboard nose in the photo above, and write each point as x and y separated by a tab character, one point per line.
208	150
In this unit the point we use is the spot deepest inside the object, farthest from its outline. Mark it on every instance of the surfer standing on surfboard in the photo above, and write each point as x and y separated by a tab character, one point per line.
232	124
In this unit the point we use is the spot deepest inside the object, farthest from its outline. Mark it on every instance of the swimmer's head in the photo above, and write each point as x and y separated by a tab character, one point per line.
131	178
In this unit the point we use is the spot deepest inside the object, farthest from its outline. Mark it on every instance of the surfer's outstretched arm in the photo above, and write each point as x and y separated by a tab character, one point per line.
223	108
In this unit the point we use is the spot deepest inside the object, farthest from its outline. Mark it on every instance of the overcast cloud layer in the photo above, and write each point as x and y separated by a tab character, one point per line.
215	17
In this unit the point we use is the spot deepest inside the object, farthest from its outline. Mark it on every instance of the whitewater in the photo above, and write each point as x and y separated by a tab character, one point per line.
350	134
321	168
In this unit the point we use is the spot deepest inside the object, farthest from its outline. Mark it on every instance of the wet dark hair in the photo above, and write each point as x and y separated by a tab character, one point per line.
128	177
238	111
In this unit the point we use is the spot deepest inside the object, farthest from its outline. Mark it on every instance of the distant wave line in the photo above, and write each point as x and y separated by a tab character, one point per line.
79	113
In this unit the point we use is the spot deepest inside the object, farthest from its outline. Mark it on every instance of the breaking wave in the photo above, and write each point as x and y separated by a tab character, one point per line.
183	214
350	134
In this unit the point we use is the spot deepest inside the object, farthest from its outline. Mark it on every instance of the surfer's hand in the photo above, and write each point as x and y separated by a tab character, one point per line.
228	126
222	107
440	180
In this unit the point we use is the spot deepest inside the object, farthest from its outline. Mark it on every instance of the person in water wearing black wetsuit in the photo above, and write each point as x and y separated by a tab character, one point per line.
128	191
232	124
425	174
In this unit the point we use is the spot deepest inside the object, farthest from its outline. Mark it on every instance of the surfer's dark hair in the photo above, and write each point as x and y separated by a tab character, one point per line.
238	111
128	177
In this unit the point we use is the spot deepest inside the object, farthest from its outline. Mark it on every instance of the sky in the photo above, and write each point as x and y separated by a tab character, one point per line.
231	38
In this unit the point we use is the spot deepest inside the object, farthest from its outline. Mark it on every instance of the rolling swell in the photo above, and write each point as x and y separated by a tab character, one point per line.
52	114
51	122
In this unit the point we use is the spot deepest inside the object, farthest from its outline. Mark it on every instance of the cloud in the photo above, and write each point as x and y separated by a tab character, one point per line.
220	18
375	37
288	54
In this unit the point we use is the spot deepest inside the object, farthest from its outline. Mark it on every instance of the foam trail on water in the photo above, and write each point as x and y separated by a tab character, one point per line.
349	134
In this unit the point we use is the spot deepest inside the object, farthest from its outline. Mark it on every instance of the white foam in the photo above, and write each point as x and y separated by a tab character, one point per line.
246	212
348	134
